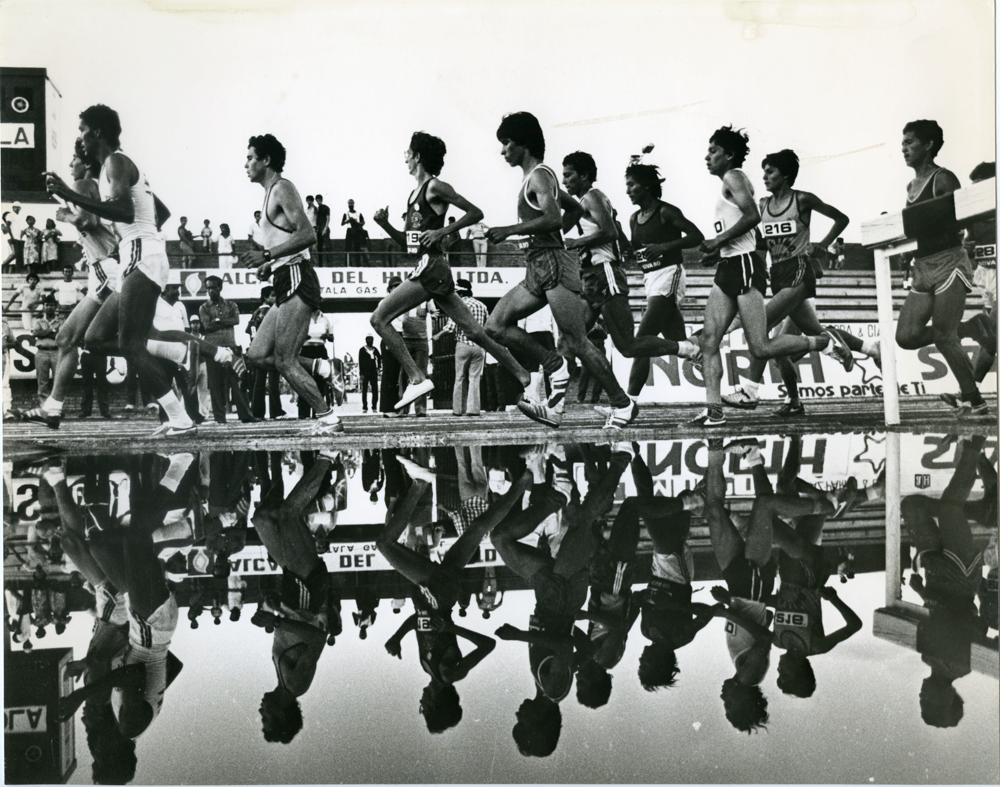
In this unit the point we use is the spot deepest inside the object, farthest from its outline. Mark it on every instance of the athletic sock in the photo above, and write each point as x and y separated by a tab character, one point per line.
750	387
869	346
179	464
53	475
174	409
52	406
169	351
319	368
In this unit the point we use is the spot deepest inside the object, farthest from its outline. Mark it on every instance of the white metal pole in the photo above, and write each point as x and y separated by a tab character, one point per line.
893	523
887	335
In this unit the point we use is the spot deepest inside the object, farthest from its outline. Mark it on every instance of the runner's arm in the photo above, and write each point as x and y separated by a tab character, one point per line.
382	219
549	202
690	238
600	213
443	192
122	175
840	220
485	645
302	235
392	645
852	623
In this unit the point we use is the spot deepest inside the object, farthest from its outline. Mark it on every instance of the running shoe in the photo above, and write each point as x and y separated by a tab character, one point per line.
741	399
952	400
841	351
190	365
327	423
969	410
789	410
169	429
711	416
414	391
559	381
40	416
415	471
622	416
543	413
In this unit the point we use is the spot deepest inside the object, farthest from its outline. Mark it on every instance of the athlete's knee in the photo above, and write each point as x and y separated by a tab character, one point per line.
760	349
494	329
377	322
908	339
66	338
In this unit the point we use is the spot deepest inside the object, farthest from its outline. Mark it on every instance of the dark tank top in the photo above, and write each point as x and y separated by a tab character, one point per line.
420	217
655	231
527	212
947	235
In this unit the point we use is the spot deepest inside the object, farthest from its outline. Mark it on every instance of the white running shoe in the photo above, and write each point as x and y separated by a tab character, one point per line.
841	352
327	423
414	391
739	398
415	471
560	382
170	429
622	416
550	416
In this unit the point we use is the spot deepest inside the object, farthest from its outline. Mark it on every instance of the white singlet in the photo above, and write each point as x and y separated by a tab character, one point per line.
98	243
272	235
606	252
727	214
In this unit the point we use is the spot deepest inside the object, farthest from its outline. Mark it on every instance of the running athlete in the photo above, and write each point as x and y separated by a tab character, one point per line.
99	244
740	279
431	277
786	216
659	233
605	288
286	235
942	271
552	277
128	201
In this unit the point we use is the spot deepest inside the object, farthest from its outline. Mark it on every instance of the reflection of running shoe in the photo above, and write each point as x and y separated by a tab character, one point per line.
550	416
625	448
846	498
841	351
689	350
333	456
711	416
327	423
789	410
39	416
622	416
415	471
741	446
741	399
169	429
414	391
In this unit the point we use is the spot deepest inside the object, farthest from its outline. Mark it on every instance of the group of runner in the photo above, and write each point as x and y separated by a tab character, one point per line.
580	278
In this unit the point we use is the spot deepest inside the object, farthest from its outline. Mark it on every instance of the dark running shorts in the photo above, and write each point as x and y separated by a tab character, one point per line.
792	273
601	282
309	594
434	274
548	268
298	278
736	276
559	596
748	580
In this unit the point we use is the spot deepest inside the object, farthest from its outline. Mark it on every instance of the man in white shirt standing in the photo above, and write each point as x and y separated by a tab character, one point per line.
225	248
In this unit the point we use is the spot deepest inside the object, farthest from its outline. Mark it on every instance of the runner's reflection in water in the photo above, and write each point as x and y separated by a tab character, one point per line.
435	594
560	579
952	566
113	753
306	610
145	668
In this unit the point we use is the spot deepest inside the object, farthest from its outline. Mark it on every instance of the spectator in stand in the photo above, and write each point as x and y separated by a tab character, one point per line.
8	343
355	226
218	318
94	377
447	242
206	237
254	232
46	348
32	237
225	248
320	332
311	211
68	292
322	230
50	246
391	367
369	365
187	243
414	333
493	394
265	381
542	328
477	234
12	232
469	357
31	298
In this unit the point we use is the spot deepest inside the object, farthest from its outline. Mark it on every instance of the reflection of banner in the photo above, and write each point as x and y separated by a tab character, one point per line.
346	283
24	495
928	463
820	376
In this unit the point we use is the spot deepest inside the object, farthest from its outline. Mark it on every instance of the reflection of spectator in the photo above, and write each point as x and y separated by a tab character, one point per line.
355	229
372	474
32	237
477	234
322	227
469	357
369	365
186	242
46	349
225	248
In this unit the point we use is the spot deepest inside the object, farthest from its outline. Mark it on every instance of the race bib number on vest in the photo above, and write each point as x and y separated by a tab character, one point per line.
987	254
424	623
522	244
719	227
787	618
778	229
413	241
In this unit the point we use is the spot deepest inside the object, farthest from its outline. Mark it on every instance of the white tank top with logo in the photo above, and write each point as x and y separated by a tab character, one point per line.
143	225
605	252
727	215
